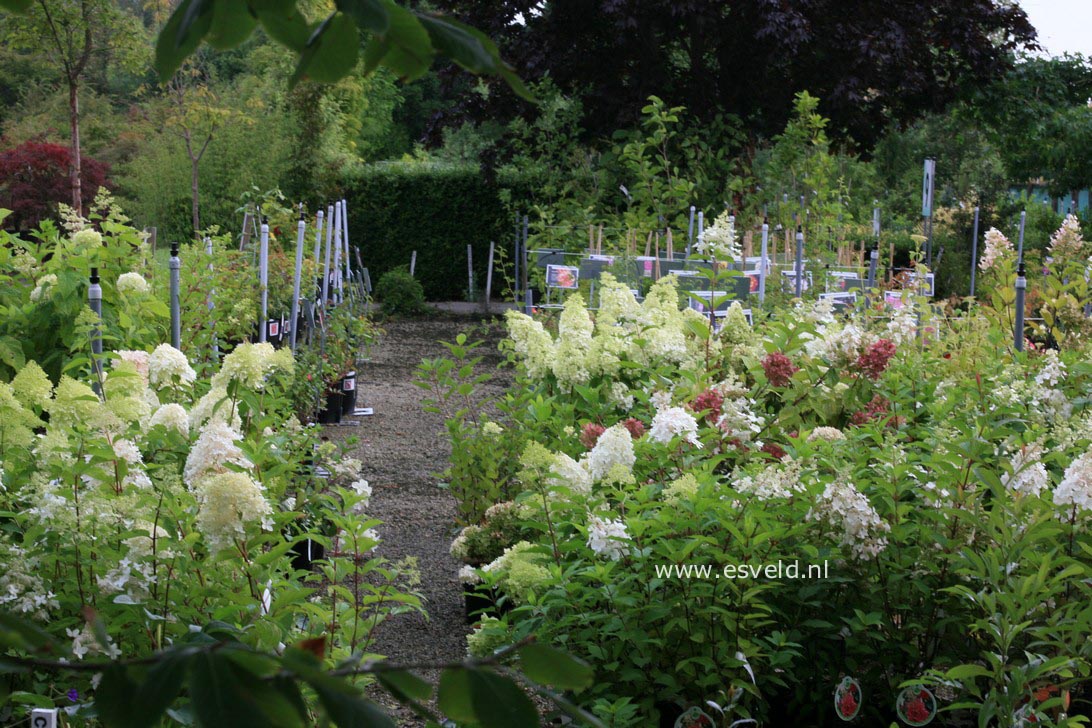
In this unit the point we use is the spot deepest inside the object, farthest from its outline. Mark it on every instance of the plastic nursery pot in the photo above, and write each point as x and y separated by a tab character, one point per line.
348	393
305	552
483	602
478	602
330	414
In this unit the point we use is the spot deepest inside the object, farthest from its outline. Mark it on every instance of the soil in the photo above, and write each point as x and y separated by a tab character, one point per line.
404	450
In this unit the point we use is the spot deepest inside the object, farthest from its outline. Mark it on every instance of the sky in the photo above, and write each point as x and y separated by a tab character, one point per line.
1063	25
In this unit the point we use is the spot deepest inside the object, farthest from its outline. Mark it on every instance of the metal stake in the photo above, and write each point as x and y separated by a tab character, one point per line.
301	227
175	264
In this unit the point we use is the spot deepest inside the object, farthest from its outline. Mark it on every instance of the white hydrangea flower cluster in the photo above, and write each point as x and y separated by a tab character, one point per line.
998	248
826	434
132	284
672	422
214	450
575	476
469	575
614	448
1029	474
903	326
227	503
129	577
719	239
21	587
172	416
684	488
739	421
1067	243
844	507
782	480
574	341
1075	490
1052	371
250	364
608	537
135	477
43	287
214	405
169	368
651	333
140	361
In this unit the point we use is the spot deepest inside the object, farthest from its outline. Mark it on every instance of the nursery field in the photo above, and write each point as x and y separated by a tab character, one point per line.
619	365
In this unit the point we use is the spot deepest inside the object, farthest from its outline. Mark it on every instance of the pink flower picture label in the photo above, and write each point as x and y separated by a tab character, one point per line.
916	706
694	717
847	699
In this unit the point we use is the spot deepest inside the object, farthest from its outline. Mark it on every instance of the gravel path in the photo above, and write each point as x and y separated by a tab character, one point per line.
403	449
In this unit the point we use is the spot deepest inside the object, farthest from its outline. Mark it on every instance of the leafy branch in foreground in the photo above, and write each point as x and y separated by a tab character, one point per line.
211	679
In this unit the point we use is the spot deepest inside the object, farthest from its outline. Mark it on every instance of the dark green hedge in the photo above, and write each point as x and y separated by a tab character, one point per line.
437	210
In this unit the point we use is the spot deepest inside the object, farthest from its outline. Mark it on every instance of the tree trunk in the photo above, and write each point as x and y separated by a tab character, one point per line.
75	171
195	191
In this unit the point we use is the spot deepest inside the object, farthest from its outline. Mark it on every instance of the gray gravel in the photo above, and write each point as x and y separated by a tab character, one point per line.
403	450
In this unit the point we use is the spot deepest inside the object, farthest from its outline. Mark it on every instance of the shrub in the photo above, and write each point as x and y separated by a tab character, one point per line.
34	178
435	209
400	293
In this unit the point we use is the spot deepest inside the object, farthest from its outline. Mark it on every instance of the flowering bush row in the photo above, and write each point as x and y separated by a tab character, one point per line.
162	506
941	479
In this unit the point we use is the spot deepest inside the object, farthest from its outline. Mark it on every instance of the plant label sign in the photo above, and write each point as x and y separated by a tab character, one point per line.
927	187
924	287
43	718
847	699
562	276
694	717
840	301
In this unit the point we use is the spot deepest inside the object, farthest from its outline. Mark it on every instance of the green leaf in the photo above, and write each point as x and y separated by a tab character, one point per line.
471	49
283	22
454	695
407	47
331	52
185	29
19	634
499	702
114	700
550	666
161	686
349	710
16	6
405	685
220	698
232	23
370	14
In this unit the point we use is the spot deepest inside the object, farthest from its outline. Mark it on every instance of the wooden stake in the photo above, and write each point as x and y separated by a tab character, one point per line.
670	246
657	256
599	245
648	245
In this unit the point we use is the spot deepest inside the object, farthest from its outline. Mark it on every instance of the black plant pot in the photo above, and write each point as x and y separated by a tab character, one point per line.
478	603
330	414
348	393
305	553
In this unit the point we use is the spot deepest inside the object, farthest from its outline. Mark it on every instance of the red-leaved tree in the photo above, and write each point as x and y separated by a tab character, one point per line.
34	177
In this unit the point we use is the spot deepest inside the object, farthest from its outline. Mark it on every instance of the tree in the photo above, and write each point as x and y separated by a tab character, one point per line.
195	113
870	61
70	33
1037	116
34	176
